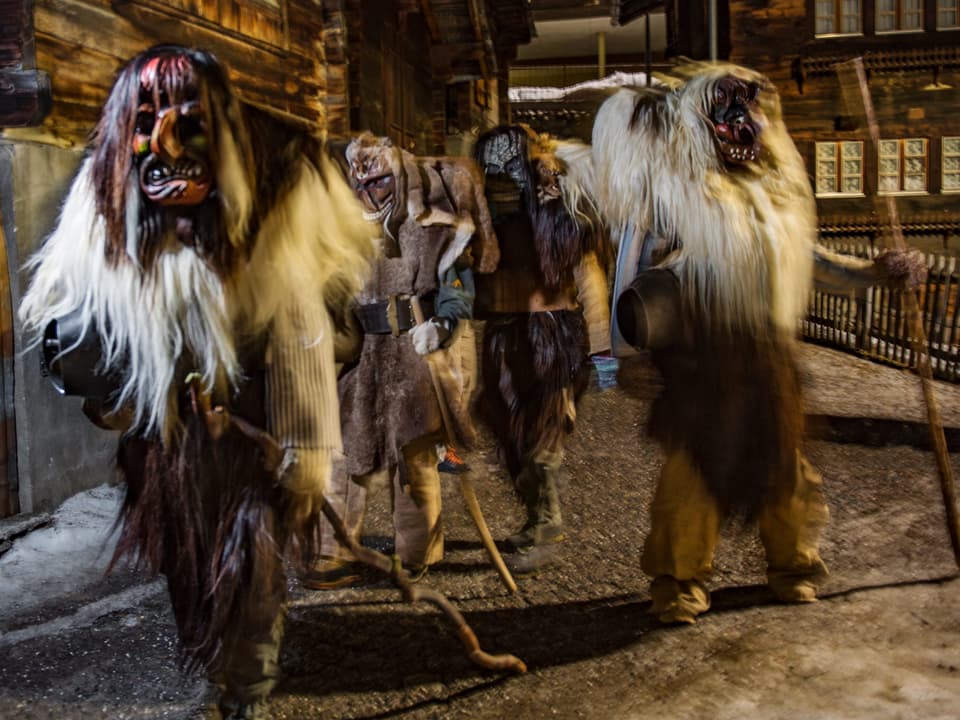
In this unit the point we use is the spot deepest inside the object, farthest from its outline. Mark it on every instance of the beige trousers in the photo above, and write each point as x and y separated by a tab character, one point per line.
418	531
685	524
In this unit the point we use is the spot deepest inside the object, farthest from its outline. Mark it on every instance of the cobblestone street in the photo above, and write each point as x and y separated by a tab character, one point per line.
884	641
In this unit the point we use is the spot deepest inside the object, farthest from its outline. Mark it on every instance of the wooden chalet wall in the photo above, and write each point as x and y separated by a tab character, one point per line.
287	56
390	75
24	90
424	71
777	37
274	49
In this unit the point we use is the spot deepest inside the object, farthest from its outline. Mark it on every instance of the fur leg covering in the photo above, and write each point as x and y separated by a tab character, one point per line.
535	367
207	516
734	406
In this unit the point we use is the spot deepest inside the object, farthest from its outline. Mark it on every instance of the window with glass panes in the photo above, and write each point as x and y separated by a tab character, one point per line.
950	179
893	15
948	14
838	17
902	165
840	168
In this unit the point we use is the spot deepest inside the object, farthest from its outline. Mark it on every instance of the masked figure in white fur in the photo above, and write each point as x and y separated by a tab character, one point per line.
435	234
189	255
712	199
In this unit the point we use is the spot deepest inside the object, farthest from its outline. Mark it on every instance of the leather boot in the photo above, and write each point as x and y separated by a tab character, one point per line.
541	497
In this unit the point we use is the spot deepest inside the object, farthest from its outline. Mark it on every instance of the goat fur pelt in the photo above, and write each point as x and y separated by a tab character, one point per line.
204	238
735	202
396	185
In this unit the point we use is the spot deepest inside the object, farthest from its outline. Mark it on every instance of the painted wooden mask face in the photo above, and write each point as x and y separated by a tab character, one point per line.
375	166
171	142
735	116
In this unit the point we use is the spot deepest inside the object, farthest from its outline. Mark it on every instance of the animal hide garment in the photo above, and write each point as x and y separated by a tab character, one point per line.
709	168
202	242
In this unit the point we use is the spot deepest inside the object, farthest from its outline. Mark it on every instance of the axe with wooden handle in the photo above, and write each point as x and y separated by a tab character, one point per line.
466	482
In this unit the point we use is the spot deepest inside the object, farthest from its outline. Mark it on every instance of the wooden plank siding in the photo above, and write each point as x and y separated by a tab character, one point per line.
777	38
24	90
82	44
396	86
323	63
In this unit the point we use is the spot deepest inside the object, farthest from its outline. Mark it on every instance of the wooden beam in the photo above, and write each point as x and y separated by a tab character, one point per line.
571	10
25	97
481	30
626	11
430	19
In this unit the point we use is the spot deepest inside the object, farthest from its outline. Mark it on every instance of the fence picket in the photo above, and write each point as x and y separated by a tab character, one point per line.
873	323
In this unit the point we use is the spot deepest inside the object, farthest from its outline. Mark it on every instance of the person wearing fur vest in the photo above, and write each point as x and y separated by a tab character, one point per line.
436	233
546	312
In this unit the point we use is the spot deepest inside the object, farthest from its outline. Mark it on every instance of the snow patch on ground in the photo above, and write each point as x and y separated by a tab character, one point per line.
67	555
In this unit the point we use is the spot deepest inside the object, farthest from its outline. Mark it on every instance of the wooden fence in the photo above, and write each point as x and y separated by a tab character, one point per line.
873	322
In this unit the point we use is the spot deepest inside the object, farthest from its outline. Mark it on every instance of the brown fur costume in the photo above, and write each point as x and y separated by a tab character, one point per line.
433	215
436	231
709	167
536	341
202	243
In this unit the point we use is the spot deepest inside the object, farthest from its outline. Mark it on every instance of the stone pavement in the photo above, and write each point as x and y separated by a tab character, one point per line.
884	641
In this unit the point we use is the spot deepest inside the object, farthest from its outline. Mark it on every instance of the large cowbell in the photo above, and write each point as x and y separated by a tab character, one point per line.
72	358
647	311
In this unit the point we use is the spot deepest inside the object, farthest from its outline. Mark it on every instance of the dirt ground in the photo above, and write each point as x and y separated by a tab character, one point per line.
883	642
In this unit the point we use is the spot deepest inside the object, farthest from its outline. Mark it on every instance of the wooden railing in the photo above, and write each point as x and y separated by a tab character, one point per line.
873	322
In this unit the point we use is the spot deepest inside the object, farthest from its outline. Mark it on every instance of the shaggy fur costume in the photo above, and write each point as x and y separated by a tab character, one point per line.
708	168
745	237
397	186
433	215
536	343
204	238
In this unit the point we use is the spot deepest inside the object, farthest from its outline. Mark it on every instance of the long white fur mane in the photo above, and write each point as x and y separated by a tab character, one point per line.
314	240
746	236
578	181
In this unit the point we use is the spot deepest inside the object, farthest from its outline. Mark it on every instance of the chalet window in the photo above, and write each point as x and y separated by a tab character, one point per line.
839	17
948	14
950	181
902	166
899	15
840	168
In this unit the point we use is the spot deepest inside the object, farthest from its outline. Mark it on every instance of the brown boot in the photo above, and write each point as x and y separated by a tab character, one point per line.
537	484
330	573
532	560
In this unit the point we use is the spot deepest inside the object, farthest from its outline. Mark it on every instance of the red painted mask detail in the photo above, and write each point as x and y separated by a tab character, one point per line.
734	115
171	139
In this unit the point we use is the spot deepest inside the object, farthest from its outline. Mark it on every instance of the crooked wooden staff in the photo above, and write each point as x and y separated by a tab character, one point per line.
218	419
853	83
466	482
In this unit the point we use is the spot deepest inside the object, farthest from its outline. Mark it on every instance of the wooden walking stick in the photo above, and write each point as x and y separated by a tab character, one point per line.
853	78
218	419
466	482
413	593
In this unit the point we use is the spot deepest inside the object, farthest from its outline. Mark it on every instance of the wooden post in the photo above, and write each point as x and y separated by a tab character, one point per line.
466	482
856	77
9	503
